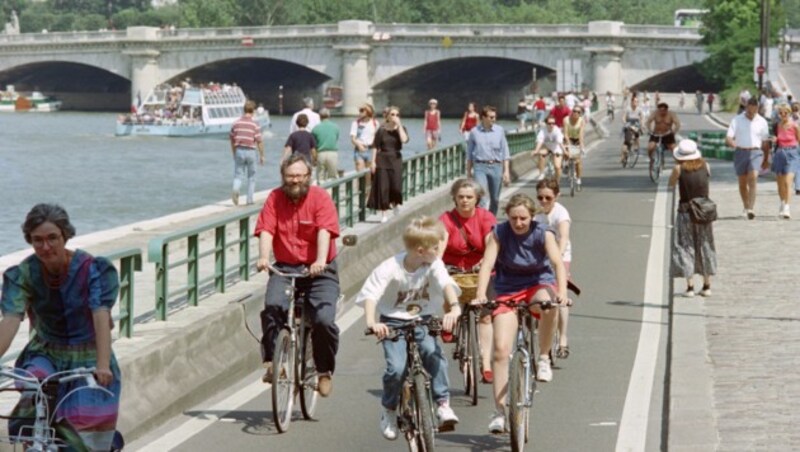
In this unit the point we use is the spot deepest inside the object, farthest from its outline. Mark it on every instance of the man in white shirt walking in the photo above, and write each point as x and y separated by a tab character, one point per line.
748	134
313	117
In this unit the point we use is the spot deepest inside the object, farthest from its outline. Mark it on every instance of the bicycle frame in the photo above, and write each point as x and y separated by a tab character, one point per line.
524	345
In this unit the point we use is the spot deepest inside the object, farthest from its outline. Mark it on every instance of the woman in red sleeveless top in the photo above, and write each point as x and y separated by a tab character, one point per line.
469	120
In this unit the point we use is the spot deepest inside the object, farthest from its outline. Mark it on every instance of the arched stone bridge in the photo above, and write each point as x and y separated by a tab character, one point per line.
377	62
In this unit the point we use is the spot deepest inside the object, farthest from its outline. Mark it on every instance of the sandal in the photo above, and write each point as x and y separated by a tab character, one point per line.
562	352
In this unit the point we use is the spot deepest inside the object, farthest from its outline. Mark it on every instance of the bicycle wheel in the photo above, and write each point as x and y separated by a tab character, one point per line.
634	157
554	346
571	167
461	353
517	411
308	378
474	354
655	168
424	413
282	381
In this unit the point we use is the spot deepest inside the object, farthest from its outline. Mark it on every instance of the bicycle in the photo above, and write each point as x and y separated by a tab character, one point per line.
521	368
467	350
657	162
294	372
416	411
45	435
631	156
610	112
570	169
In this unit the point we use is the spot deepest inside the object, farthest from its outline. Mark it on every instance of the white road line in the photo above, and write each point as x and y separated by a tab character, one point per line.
632	435
218	411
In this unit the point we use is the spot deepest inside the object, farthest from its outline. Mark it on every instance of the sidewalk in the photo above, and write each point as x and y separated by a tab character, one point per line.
734	356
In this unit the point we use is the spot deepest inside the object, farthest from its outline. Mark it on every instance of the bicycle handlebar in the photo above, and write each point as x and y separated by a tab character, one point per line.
434	325
304	274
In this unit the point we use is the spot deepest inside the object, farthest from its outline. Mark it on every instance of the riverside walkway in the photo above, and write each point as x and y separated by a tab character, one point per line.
730	374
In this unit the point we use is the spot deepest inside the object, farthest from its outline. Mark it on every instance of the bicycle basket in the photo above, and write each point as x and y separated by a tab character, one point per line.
468	282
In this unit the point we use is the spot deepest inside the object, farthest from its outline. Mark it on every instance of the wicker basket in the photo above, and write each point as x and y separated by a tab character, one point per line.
468	282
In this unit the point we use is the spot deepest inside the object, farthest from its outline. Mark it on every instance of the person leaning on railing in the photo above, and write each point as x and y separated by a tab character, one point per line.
68	296
299	223
468	229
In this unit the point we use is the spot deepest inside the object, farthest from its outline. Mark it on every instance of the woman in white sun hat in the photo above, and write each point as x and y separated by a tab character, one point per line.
693	251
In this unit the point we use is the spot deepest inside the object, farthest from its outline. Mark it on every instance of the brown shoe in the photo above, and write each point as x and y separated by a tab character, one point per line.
267	378
325	385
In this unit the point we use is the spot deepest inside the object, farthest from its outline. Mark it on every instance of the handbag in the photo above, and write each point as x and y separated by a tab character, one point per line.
702	210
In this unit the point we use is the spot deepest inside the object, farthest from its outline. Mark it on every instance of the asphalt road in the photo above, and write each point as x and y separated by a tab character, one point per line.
580	410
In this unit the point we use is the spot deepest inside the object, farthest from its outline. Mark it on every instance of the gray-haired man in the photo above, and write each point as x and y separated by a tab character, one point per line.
313	118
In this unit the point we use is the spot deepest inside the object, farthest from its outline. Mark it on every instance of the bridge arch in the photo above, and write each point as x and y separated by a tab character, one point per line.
685	78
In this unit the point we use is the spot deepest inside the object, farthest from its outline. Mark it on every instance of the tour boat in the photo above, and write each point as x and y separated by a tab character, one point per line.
11	100
184	111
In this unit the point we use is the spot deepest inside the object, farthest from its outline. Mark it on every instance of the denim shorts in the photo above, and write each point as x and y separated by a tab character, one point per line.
745	162
365	155
786	161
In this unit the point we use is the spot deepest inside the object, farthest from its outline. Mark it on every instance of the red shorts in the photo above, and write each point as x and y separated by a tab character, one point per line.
521	297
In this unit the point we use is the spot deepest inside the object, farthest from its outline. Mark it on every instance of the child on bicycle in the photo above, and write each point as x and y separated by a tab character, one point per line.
410	285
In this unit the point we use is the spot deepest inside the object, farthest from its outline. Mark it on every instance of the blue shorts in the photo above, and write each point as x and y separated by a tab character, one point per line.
365	155
786	161
745	162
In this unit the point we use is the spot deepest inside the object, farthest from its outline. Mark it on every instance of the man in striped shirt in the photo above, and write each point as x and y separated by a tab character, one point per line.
245	139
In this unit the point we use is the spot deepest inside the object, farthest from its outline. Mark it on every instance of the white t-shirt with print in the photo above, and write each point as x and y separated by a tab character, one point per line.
364	132
552	220
405	295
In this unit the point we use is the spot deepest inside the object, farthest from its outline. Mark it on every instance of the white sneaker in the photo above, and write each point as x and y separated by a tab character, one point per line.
497	425
447	418
785	212
543	371
389	424
689	293
384	218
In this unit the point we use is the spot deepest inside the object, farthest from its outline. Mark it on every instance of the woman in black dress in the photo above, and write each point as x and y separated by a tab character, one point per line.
387	165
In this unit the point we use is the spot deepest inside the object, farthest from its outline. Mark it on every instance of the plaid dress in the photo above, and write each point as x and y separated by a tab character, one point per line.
64	339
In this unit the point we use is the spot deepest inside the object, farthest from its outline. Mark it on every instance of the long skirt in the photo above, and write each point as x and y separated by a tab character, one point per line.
693	251
387	183
89	413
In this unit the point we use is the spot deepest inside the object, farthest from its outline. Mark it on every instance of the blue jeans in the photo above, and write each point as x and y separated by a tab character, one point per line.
432	359
245	161
490	177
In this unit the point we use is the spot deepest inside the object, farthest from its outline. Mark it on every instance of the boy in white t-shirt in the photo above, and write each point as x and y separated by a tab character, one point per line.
409	285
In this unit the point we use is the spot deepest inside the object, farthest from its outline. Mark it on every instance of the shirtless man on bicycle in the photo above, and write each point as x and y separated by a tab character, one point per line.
663	124
299	223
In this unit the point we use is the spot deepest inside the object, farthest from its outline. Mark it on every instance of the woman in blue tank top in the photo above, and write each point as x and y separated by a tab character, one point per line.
528	268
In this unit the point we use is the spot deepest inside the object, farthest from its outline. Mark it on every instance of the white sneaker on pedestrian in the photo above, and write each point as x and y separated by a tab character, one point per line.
389	424
447	418
689	292
497	425
384	218
235	198
785	213
543	371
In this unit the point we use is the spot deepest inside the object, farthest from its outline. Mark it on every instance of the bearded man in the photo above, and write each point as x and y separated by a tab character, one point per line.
299	224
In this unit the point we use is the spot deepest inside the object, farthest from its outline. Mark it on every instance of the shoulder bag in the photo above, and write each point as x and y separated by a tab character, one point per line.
702	210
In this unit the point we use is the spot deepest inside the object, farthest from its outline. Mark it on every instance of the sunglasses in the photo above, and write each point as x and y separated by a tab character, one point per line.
545	198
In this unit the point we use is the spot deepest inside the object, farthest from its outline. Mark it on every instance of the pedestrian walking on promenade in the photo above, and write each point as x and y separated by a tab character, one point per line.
710	99
326	135
748	134
67	295
387	165
432	125
301	141
313	117
488	158
693	251
245	139
786	160
698	102
469	121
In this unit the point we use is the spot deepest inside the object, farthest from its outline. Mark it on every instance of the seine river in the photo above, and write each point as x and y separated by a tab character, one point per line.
104	181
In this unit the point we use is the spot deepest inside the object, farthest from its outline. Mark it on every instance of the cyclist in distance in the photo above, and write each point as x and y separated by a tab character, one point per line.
574	128
405	287
609	105
299	223
68	296
549	140
468	229
663	123
528	268
633	119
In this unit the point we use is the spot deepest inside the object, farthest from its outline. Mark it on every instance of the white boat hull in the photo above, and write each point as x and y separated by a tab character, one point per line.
181	130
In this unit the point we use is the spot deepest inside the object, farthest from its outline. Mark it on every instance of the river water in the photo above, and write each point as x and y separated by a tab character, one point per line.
104	181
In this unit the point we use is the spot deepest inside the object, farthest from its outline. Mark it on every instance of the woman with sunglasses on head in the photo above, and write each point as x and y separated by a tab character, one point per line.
67	296
387	165
557	218
574	130
362	135
786	160
528	269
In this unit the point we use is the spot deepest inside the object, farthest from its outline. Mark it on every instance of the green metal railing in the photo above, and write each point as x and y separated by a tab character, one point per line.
421	173
712	144
130	261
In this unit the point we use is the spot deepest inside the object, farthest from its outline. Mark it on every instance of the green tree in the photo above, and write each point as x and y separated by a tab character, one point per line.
208	13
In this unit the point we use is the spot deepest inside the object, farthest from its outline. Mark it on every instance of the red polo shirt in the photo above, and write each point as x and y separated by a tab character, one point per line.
559	114
294	226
